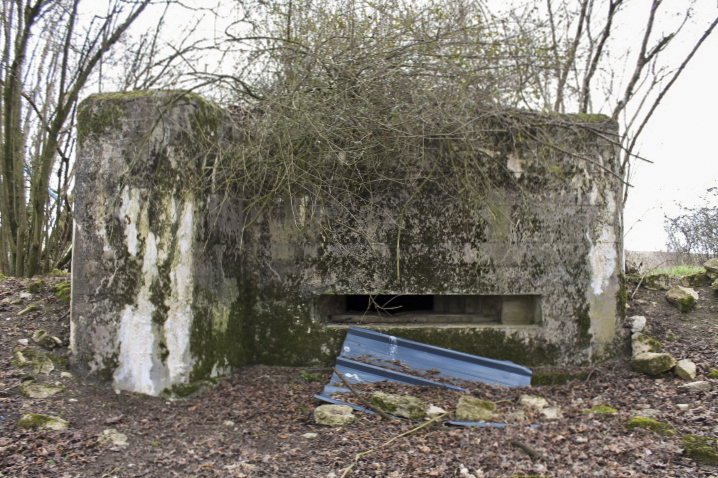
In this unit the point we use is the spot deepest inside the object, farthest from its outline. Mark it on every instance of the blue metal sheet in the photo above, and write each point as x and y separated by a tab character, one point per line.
368	356
390	352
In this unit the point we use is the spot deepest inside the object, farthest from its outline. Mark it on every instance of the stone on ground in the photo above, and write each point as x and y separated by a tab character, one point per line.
112	437
533	401
641	344
41	363
711	267
552	413
37	390
683	298
433	411
686	369
653	363
693	387
333	415
700	279
399	405
38	420
637	323
472	409
657	282
45	340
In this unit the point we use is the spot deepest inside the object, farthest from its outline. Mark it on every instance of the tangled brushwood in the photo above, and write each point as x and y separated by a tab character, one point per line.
341	102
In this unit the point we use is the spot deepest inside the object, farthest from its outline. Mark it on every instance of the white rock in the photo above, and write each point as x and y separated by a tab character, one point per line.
695	386
112	437
333	415
517	416
647	412
637	323
682	406
65	375
533	401
434	411
310	435
228	423
37	390
23	342
552	413
25	295
686	369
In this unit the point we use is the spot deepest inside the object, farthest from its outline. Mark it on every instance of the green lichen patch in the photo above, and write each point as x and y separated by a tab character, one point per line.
712	374
650	424
36	287
702	449
601	410
37	420
2	277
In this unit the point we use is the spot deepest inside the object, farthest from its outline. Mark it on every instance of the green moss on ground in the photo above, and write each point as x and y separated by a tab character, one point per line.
36	287
601	409
63	291
712	374
651	424
702	449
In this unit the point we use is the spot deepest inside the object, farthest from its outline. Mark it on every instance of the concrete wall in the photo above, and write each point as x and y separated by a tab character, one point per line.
170	287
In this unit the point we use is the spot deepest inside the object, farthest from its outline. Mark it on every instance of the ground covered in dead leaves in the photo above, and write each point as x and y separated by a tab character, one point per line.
259	421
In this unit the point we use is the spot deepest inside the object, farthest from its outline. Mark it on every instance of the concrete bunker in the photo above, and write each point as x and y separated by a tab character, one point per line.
174	284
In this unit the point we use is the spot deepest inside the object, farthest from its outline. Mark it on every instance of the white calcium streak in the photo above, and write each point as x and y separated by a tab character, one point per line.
179	316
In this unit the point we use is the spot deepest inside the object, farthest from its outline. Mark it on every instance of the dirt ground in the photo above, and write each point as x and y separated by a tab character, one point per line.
259	422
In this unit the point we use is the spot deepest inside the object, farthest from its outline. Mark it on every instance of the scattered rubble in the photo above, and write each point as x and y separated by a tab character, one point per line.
683	298
334	415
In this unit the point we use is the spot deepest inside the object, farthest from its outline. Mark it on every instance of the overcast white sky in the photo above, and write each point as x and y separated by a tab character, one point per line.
682	140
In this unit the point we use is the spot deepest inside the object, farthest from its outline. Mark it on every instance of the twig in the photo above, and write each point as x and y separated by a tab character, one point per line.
364	401
4	393
359	455
533	454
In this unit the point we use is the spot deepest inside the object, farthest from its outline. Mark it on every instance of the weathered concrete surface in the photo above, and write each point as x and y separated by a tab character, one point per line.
170	288
147	292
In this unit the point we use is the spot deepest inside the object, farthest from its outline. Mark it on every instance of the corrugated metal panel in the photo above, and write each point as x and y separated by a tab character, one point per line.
368	356
390	352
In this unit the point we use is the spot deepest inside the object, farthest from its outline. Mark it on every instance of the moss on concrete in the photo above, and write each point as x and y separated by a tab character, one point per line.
556	378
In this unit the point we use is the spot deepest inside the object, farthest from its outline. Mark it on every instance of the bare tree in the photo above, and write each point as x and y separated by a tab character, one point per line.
581	49
694	232
51	52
